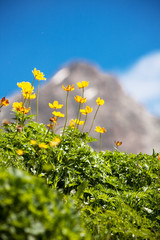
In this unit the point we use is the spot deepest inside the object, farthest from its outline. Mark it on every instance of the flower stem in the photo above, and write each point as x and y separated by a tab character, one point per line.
100	142
37	101
84	123
66	112
93	119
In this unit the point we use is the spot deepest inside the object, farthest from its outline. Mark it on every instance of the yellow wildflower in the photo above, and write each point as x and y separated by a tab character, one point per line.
26	87
4	102
72	123
118	143
79	99
19	108
86	111
38	75
20	152
82	84
55	105
29	96
78	122
33	142
99	101
68	88
42	145
58	114
100	130
55	142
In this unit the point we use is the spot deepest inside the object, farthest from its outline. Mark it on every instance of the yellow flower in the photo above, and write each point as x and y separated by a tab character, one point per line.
4	102
58	114
55	105
38	75
86	111
33	142
29	96
68	88
19	108
20	152
72	123
100	130
55	142
99	101
79	99
118	143
42	145
78	122
27	90
82	84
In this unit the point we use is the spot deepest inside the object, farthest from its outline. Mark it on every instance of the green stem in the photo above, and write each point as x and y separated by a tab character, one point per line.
78	114
84	123
66	112
93	119
37	101
100	142
82	103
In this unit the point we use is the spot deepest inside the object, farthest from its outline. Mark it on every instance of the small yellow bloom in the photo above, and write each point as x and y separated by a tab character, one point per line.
82	84
79	99
58	114
33	142
78	122
99	101
55	105
19	108
4	102
72	123
27	88
42	145
29	96
118	143
53	119
86	111
55	142
38	75
68	88
100	130
20	152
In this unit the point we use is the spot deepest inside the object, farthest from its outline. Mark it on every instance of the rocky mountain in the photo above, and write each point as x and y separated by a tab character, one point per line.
124	118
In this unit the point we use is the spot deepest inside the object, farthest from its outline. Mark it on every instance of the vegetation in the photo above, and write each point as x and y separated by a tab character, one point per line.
116	195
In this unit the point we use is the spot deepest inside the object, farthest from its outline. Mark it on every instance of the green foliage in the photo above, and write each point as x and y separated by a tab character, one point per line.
30	210
117	194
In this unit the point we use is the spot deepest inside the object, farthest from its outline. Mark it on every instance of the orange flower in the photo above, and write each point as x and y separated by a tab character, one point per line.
55	105
86	111
118	143
79	99
4	102
99	101
53	119
100	130
68	88
82	84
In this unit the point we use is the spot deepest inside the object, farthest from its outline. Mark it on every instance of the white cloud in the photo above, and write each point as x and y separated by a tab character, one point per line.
60	75
142	81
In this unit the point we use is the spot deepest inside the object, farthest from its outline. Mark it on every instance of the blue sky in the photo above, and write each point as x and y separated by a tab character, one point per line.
46	34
